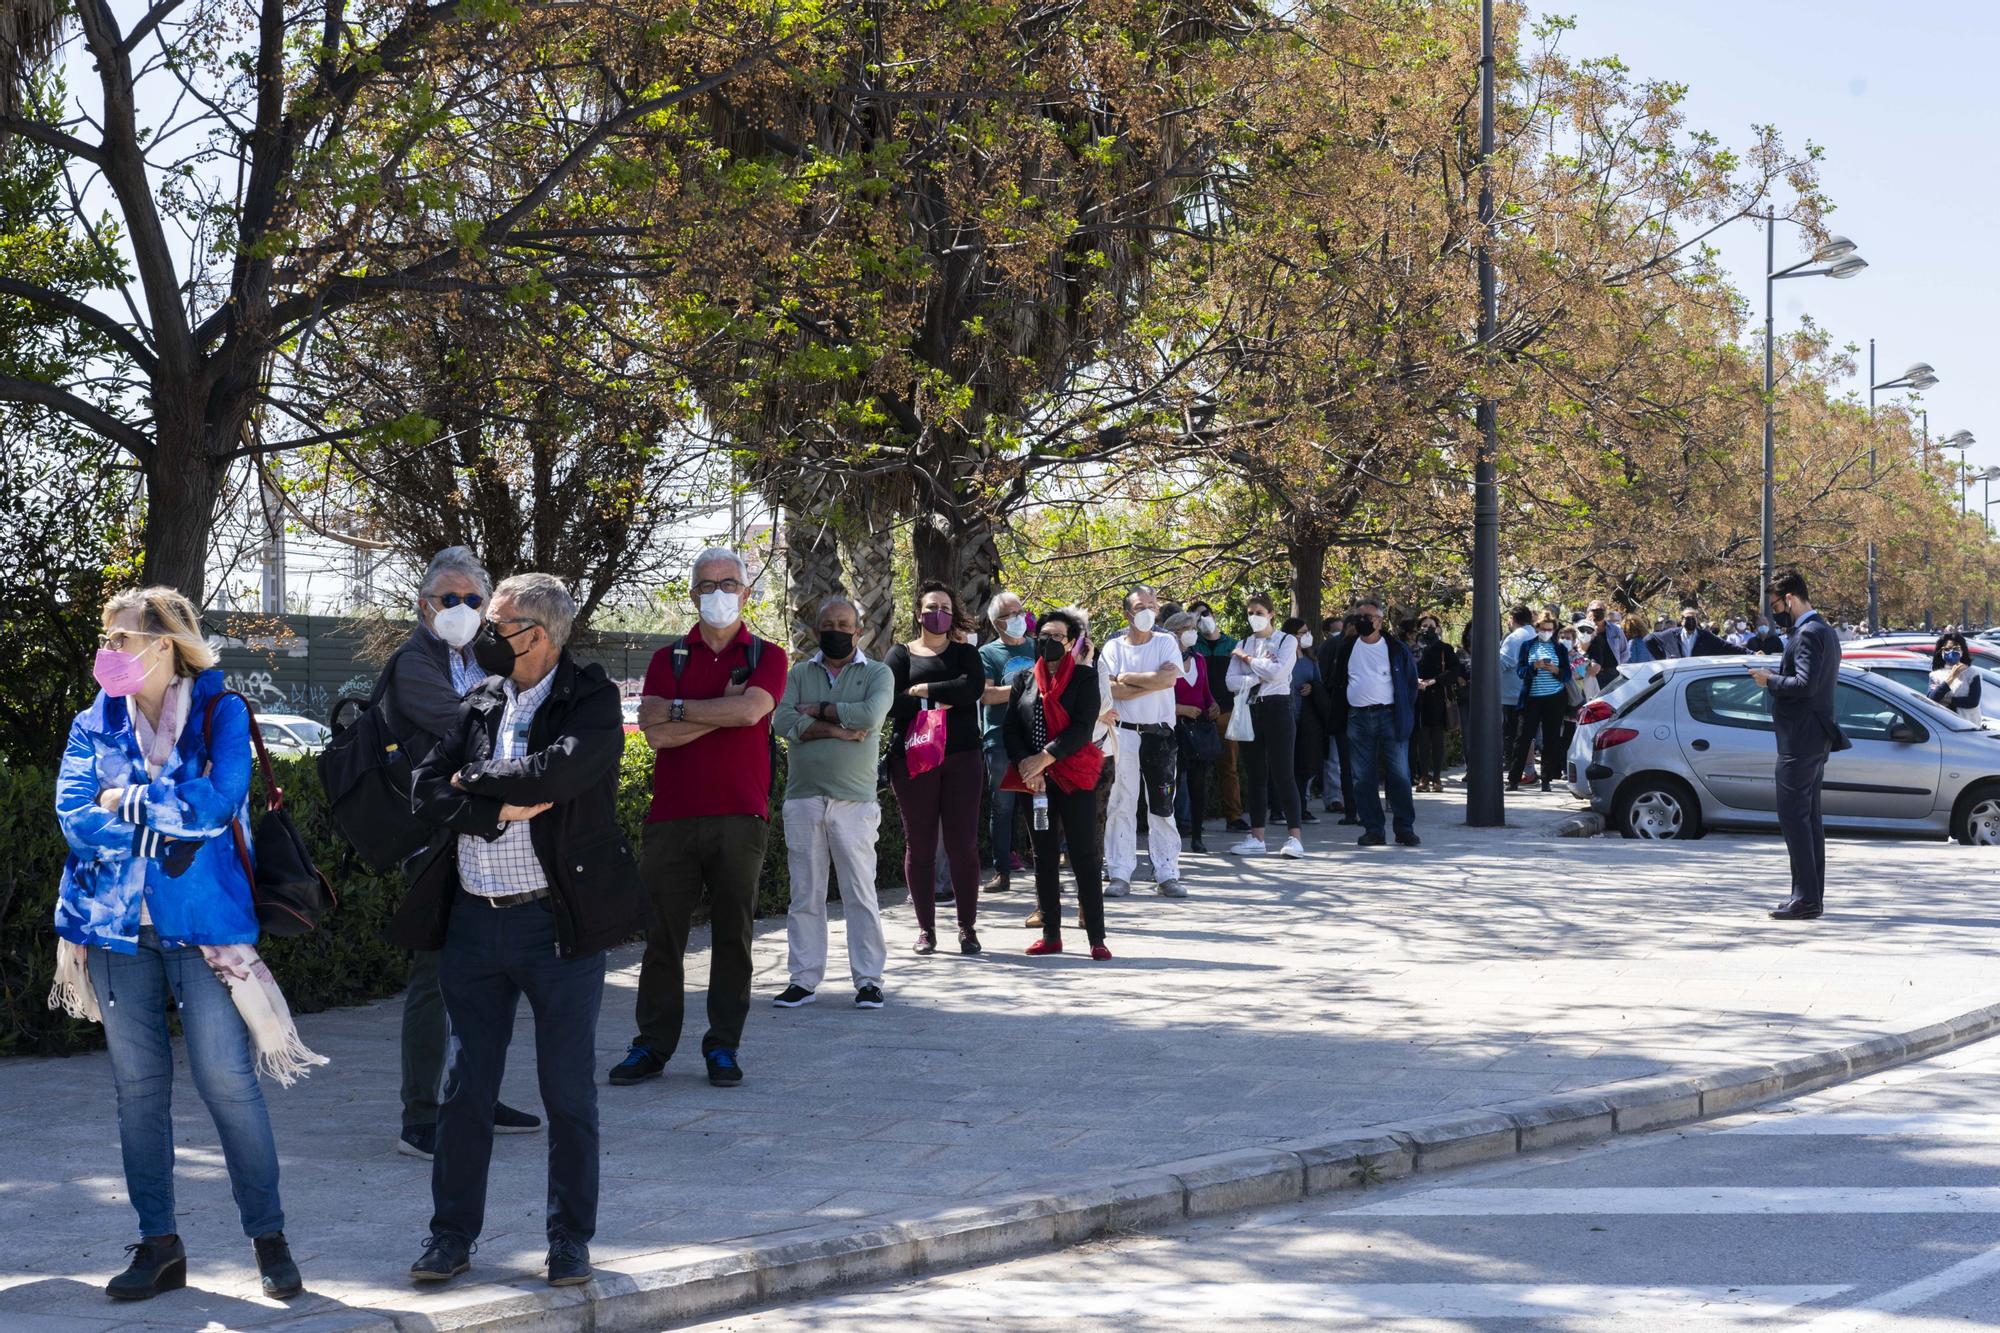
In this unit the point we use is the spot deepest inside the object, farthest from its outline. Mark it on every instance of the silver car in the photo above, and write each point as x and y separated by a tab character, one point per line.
1633	678
1691	748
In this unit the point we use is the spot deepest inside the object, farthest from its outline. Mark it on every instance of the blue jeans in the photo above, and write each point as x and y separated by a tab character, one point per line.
1376	754
492	957
1003	809
135	992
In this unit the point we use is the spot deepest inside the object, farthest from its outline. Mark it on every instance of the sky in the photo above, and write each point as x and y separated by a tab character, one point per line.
1898	96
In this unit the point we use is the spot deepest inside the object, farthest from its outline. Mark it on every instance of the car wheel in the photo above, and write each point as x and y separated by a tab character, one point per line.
1658	807
1977	820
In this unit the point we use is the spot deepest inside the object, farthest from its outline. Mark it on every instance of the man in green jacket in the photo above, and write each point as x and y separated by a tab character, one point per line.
831	718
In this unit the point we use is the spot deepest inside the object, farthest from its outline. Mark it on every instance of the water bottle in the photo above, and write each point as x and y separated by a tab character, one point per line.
1041	812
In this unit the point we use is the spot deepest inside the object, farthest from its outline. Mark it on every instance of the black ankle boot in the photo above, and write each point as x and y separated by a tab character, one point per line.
274	1264
159	1263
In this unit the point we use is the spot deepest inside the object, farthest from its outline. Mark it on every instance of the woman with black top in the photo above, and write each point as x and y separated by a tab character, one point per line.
1048	729
934	671
1437	683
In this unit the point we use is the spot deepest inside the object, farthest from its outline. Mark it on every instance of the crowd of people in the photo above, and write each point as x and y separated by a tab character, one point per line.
1068	743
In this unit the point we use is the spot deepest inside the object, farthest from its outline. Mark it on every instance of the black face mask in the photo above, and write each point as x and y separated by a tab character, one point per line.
1052	650
493	650
1363	625
836	645
1781	618
1690	623
1430	634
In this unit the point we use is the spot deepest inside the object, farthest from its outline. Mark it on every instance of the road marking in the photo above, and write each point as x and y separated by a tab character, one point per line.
1931	1124
1685	1201
1324	1302
1876	1309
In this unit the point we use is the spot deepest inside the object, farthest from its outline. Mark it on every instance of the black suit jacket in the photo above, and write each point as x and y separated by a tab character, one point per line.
1666	643
1802	691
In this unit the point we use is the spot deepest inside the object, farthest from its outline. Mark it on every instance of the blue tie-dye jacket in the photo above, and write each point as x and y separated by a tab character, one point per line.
115	857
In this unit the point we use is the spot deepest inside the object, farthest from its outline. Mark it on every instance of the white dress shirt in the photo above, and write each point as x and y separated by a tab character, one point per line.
508	864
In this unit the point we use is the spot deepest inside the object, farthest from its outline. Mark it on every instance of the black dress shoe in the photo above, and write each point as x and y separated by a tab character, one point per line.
1798	909
569	1262
275	1268
1198	846
443	1259
159	1263
968	942
1371	840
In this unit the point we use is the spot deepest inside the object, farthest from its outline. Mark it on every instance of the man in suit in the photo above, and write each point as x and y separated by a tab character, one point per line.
1690	639
1802	713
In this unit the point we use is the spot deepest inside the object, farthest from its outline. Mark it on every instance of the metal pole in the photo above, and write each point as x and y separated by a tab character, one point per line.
1485	803
1874	618
1770	514
1926	456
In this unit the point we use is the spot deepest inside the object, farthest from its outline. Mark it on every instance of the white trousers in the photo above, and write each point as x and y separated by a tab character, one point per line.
822	835
1121	821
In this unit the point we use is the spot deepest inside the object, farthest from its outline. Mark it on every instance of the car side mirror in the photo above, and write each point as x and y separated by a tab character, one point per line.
1904	733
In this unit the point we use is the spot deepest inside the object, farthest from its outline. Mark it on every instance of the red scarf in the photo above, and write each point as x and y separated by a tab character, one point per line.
1072	773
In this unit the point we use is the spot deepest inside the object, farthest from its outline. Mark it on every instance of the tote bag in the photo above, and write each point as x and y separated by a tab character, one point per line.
923	747
287	890
1240	727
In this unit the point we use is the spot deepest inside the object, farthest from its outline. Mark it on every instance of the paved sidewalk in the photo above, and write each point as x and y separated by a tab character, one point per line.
1282	999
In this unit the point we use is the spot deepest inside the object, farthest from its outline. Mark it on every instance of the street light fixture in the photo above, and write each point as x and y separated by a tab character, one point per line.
1920	375
1837	256
1961	440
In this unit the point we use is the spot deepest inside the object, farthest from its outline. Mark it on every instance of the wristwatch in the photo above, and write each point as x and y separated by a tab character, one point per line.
679	713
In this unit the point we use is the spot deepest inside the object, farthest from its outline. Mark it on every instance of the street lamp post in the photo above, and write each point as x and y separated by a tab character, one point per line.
1838	260
1924	455
1919	376
1485	806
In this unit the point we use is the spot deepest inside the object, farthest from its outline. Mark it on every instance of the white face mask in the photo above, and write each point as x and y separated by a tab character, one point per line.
1142	621
721	609
1206	624
1305	640
1187	638
1015	627
456	625
1258	624
1544	635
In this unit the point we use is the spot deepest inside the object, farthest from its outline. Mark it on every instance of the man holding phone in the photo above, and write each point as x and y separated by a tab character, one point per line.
708	698
1802	716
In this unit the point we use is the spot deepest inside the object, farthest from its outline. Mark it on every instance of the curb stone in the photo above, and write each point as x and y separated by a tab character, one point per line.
650	1292
1589	824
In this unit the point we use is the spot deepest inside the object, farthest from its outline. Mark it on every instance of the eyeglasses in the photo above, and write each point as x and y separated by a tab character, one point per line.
451	599
707	586
116	639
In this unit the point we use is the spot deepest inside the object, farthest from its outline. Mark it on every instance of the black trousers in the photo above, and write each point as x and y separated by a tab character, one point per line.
1429	749
1510	731
722	857
1543	714
1799	816
1076	813
1346	768
1268	785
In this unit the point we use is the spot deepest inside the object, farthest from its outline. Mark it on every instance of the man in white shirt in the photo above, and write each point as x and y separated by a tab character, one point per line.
1377	676
1142	667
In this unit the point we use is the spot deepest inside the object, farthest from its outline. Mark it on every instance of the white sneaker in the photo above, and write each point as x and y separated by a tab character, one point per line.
1293	849
1118	888
1249	847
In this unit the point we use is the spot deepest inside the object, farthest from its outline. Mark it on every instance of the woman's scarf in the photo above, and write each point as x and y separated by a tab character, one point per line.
273	1036
1073	772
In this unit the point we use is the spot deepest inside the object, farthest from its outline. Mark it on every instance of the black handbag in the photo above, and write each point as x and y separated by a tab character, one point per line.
366	775
287	890
1200	740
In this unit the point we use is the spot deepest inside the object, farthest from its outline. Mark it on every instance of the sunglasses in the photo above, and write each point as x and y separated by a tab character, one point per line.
451	599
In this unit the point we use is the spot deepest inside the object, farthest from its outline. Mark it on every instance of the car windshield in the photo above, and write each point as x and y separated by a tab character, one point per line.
312	733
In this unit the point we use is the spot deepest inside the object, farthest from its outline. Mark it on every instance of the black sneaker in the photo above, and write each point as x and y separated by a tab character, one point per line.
275	1268
1308	817
638	1065
945	895
868	997
569	1262
507	1120
1371	840
793	997
723	1071
443	1259
1333	807
1238	825
418	1141
968	942
1409	838
159	1263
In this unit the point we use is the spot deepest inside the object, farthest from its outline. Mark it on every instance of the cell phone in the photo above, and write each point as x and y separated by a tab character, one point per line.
740	676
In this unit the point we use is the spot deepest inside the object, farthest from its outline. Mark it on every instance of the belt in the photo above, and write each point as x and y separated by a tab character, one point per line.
507	899
1156	727
1370	708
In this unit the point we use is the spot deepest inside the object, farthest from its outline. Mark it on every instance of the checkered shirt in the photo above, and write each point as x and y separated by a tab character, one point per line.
508	864
466	674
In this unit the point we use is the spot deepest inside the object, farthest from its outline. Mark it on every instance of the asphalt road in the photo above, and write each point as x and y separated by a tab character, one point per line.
1871	1206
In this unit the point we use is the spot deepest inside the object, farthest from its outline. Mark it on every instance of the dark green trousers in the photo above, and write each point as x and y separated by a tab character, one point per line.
720	858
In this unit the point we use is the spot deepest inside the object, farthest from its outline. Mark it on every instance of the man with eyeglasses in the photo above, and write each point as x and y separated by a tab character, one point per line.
420	692
708	698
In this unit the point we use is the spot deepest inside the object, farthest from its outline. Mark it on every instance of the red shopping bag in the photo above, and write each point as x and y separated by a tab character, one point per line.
923	747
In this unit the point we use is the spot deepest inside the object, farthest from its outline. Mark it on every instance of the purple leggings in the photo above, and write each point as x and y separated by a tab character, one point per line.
950	792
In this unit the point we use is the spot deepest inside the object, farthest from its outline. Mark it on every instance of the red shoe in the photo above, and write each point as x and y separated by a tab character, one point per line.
1100	953
1040	947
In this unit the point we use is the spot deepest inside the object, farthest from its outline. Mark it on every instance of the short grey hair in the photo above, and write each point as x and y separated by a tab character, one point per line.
542	599
1140	589
993	604
1179	621
455	560
836	599
713	554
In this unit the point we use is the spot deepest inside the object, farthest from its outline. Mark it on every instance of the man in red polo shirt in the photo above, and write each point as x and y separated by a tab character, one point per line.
707	712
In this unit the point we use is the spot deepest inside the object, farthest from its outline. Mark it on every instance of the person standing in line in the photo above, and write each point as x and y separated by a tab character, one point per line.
706	711
1196	736
422	687
1437	681
1638	631
1309	711
1260	675
1954	679
154	910
1002	659
1142	667
1544	670
1335	784
830	717
1610	635
1378	677
941	806
1802	719
1690	639
1216	649
1052	715
1523	621
532	885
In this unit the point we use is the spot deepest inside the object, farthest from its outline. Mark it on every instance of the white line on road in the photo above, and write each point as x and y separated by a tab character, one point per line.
1931	1124
1685	1201
1324	1302
1876	1309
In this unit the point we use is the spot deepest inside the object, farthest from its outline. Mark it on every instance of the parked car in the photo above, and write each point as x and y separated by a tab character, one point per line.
1633	677
1915	675
288	733
1693	749
1984	652
630	708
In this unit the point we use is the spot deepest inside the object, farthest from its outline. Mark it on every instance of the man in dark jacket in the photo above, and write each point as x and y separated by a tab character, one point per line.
421	688
1336	786
1689	639
1374	683
528	884
1802	690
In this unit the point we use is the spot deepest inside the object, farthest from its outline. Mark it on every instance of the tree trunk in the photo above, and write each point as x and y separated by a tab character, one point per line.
1308	576
871	564
966	560
812	570
183	487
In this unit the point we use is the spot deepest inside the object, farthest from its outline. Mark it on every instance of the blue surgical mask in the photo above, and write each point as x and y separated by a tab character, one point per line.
1951	657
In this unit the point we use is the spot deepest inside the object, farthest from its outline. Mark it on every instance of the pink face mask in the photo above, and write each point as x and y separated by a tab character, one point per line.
121	674
937	622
